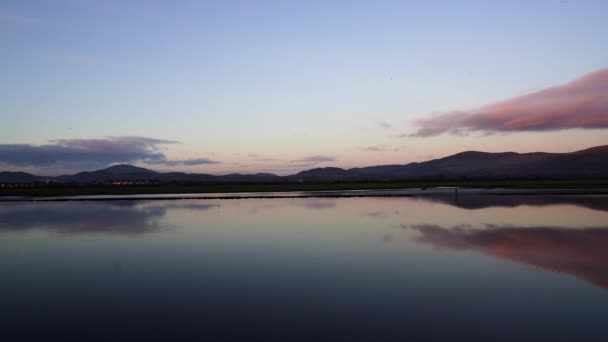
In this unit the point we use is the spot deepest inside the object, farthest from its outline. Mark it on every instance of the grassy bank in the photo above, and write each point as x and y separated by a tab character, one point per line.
67	190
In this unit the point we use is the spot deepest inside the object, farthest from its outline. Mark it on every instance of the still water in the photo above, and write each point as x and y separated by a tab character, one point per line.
374	269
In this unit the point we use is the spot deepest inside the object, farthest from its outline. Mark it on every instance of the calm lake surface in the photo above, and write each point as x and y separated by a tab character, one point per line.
374	269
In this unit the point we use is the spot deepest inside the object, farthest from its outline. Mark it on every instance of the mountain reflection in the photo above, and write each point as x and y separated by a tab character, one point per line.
115	217
579	252
595	202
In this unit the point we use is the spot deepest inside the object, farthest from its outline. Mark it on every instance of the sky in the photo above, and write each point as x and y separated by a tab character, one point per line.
281	86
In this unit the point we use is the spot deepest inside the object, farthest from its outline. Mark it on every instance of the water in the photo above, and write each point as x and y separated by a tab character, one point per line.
374	269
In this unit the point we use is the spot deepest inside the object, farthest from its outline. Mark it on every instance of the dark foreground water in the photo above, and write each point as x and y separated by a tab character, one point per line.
374	269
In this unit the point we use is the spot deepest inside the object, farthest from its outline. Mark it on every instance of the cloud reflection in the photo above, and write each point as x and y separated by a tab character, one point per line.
580	252
71	218
317	203
377	214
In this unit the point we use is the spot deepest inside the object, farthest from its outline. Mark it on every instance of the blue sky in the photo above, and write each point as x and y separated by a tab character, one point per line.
264	86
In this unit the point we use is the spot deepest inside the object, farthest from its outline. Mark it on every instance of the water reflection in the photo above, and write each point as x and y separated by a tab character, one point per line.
595	202
579	252
312	203
378	214
317	203
112	217
342	269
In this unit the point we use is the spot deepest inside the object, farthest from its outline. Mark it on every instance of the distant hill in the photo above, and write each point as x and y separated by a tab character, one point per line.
125	172
589	163
323	174
124	169
19	177
473	164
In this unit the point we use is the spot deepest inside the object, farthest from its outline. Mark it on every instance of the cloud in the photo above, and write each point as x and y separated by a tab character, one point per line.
313	160
86	153
186	162
579	252
384	124
375	148
582	103
258	157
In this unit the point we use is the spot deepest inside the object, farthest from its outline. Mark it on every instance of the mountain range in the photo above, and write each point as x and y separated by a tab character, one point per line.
588	163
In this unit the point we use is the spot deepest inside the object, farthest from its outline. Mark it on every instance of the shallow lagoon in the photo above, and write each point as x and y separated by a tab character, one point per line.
378	269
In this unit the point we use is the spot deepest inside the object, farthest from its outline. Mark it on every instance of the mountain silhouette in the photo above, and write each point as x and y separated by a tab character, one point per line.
588	163
123	169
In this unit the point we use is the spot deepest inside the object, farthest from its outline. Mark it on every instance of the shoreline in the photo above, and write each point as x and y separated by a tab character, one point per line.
408	192
265	189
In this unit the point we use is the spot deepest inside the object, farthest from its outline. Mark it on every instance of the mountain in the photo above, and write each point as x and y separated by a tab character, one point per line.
19	177
250	178
117	172
125	172
589	163
123	169
323	174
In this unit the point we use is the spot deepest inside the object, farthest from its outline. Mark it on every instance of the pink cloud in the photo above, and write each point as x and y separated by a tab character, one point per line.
582	103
